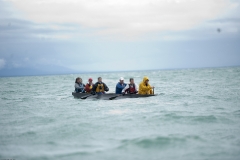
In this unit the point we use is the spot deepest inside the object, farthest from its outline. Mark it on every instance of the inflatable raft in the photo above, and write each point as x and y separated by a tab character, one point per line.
110	96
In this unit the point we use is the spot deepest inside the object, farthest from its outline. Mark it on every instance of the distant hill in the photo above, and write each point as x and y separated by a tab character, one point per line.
47	70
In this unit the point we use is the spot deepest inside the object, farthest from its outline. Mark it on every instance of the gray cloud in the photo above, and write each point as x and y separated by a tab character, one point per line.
123	17
226	20
28	46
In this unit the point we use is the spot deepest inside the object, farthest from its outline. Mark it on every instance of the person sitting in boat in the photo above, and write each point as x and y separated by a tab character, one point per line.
89	85
99	87
145	87
120	86
79	86
131	88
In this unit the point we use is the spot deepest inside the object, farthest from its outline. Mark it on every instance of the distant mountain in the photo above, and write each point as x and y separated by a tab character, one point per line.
47	70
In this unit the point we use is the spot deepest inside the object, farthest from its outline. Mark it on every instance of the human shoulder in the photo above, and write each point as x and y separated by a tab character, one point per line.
119	84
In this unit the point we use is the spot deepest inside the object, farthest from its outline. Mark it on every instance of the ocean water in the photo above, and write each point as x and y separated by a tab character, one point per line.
196	115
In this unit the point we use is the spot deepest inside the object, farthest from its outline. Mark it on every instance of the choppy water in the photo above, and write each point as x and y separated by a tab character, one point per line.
195	116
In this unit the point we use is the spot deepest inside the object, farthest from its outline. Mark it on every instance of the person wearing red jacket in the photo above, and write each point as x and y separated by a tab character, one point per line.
130	88
89	85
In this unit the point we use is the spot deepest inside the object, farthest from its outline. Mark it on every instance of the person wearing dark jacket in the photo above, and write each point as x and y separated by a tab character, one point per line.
120	86
99	87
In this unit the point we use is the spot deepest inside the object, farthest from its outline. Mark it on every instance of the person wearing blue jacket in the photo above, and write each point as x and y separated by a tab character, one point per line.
120	86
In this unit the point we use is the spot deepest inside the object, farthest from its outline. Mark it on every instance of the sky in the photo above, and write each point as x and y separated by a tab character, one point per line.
40	37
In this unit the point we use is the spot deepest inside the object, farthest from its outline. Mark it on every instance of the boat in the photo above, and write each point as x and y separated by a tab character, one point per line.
107	96
80	95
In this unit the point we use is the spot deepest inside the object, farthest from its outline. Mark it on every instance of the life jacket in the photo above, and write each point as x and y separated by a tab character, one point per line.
100	87
88	87
131	89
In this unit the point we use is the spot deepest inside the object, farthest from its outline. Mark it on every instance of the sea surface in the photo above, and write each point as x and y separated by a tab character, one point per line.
196	115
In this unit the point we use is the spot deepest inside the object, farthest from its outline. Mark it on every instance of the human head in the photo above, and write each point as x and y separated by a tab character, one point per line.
99	79
90	80
78	80
145	80
131	80
121	79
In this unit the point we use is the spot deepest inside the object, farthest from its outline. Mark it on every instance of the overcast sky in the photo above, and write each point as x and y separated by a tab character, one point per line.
64	36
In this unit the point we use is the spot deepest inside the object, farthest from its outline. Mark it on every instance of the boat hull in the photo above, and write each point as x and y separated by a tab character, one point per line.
109	95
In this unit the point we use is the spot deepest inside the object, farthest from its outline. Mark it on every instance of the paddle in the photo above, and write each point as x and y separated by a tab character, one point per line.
84	97
111	98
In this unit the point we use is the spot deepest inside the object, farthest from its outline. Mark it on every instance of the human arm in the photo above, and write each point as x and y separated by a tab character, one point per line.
94	87
105	87
125	88
145	88
79	86
76	86
121	86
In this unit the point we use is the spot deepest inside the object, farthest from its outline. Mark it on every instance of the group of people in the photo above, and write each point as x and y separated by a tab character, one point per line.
121	87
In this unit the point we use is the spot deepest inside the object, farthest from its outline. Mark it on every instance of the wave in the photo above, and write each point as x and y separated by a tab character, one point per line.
236	112
158	142
210	118
182	118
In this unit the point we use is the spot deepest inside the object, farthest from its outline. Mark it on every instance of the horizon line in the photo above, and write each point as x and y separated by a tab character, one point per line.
94	72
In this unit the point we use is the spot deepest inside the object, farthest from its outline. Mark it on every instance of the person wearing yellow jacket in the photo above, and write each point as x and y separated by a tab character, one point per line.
145	87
